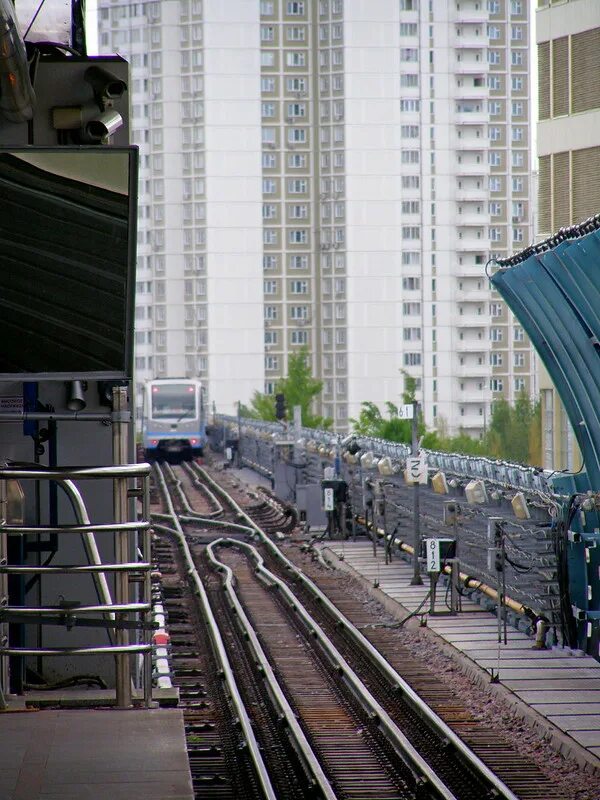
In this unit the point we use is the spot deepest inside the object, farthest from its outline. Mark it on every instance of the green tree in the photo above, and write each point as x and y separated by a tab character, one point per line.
299	389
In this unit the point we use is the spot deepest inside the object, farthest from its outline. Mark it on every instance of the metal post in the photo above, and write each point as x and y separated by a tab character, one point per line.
416	579
238	454
120	509
4	676
146	556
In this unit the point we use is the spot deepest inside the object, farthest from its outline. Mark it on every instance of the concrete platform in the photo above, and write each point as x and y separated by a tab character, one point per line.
556	689
94	755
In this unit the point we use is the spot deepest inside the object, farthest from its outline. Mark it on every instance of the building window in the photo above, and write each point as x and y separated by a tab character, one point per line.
496	384
410	104
271	363
295	59
297	186
298	262
297	135
409	80
270	313
518	359
299	337
496	334
298	236
409	156
411	334
295	9
299	312
411	284
298	287
269	262
411	232
518	334
412	359
408	29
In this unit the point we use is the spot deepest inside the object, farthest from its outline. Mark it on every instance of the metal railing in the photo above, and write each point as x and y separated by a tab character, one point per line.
503	473
118	617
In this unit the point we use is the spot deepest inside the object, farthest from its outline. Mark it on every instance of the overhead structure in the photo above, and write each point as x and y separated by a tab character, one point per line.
554	291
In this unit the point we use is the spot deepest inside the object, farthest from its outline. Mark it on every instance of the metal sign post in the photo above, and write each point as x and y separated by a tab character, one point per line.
416	579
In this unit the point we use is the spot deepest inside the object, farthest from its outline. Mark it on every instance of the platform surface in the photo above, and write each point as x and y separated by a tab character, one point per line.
99	754
560	685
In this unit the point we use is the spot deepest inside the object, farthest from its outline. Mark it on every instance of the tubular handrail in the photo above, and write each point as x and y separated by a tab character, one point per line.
16	472
110	610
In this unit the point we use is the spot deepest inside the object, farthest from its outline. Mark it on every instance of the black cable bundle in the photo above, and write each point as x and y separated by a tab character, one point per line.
560	538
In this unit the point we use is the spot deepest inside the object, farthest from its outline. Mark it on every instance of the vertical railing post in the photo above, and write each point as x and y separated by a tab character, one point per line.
120	429
4	675
146	557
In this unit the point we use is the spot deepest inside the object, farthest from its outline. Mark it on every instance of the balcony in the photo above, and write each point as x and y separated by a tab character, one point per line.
474	395
473	193
473	16
472	93
470	38
473	321
472	346
475	371
470	144
471	168
480	117
470	66
469	218
469	270
472	295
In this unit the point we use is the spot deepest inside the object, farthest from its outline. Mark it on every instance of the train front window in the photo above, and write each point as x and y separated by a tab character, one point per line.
177	400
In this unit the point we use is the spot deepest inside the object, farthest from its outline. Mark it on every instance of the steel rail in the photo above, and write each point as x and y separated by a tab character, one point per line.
396	680
420	769
219	647
203	488
299	741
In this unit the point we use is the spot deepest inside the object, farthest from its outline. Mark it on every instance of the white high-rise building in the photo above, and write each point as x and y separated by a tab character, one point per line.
335	175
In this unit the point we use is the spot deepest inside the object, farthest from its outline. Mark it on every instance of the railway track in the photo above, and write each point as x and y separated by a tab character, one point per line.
333	712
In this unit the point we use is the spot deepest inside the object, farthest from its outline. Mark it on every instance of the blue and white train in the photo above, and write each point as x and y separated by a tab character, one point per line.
173	419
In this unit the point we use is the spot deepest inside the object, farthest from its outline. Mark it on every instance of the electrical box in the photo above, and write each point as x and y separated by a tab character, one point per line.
439	483
476	493
308	502
451	512
520	507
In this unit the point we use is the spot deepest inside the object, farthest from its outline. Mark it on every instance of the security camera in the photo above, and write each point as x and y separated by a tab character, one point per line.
102	127
107	87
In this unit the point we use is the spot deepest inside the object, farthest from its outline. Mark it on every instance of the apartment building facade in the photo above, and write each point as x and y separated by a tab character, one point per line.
568	43
334	175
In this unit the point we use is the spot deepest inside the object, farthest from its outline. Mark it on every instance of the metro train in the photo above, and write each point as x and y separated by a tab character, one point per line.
173	419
